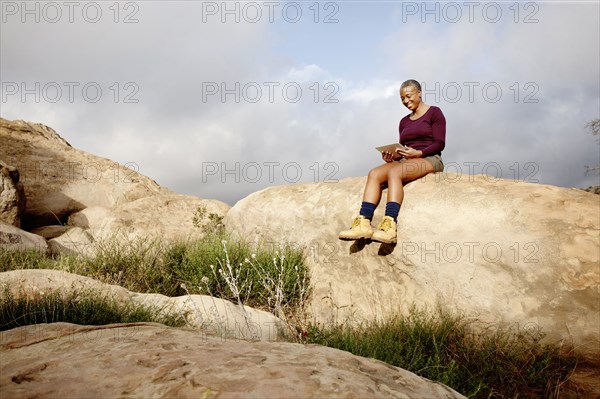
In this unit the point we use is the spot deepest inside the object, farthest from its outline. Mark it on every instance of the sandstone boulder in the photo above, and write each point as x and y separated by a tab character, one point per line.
167	216
30	282
14	239
210	315
503	251
60	181
12	195
51	231
150	360
74	241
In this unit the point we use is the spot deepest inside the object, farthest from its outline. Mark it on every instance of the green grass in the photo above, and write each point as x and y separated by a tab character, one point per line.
272	278
76	307
268	277
503	363
135	266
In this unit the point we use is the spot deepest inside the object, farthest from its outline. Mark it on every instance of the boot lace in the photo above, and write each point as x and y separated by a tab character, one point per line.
356	222
386	224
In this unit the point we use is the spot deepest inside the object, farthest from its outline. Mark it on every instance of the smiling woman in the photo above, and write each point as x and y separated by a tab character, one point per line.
423	135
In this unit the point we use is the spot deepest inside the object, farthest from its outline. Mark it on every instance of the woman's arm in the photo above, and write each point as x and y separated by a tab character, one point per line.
438	127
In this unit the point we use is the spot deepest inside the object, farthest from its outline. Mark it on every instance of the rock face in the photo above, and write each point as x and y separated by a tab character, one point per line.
165	215
12	195
211	315
503	251
51	231
150	360
60	179
75	240
66	185
14	239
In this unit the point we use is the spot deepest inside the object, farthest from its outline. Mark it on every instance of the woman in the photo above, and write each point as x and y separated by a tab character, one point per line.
423	133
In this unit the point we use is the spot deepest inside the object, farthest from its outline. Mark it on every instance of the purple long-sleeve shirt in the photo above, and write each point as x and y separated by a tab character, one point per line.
428	133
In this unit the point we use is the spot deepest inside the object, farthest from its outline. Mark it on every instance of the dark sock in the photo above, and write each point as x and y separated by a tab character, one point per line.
367	210
392	209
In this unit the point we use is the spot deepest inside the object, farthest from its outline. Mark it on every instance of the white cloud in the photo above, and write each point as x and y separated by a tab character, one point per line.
368	92
308	73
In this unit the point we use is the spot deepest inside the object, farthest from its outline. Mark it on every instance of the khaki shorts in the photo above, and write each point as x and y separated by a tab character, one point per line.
436	161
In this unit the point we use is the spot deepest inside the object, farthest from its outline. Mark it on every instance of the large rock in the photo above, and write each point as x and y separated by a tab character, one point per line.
14	239
75	241
60	181
12	195
149	360
503	251
211	315
167	216
51	231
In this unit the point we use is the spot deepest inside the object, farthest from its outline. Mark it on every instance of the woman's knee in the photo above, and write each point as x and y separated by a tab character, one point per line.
397	173
377	174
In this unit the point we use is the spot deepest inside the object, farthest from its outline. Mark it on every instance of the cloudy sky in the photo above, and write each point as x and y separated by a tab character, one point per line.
221	99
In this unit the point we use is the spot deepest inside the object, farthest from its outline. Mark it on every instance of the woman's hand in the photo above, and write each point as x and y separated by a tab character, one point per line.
389	156
408	152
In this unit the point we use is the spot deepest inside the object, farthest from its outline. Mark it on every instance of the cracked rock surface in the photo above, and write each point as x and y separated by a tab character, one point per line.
144	360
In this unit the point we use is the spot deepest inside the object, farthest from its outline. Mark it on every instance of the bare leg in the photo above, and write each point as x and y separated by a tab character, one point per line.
375	179
394	174
402	172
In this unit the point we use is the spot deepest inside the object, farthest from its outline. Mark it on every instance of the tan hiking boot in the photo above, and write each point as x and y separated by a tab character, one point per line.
361	228
386	232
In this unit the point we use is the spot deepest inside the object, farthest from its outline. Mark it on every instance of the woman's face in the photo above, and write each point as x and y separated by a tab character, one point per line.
411	97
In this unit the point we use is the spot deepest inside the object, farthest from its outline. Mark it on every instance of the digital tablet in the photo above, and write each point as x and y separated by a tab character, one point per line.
390	148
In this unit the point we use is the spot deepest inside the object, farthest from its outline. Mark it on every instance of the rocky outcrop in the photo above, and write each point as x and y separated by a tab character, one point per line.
166	215
51	231
65	185
14	239
211	315
12	195
150	360
60	179
503	251
75	241
592	189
